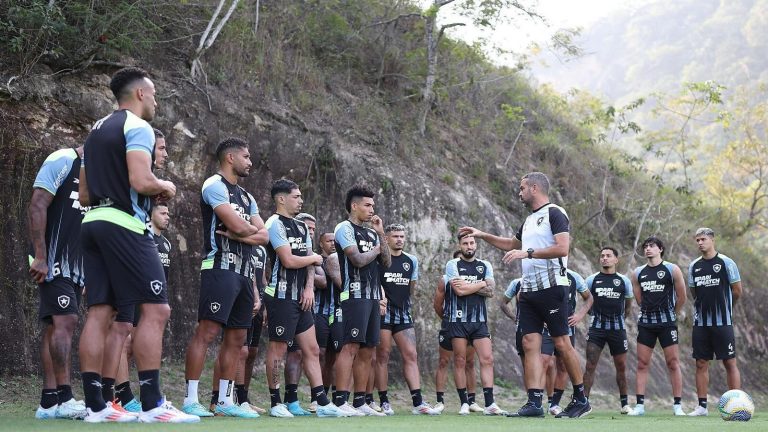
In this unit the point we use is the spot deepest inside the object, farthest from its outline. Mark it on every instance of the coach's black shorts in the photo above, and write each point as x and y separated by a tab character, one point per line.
129	314
666	335
337	331
468	331
323	331
58	296
361	321
713	342
254	332
548	306
285	320
616	340
227	298
123	267
396	328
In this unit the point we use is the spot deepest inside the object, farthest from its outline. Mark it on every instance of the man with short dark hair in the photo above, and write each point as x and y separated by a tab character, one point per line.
360	251
542	243
290	298
715	284
399	281
119	255
56	265
612	293
470	281
232	226
659	290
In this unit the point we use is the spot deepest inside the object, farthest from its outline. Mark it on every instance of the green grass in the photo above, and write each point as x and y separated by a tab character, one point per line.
17	418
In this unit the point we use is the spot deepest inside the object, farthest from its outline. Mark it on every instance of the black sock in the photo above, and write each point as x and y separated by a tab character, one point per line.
624	400
359	400
92	391
368	398
49	398
639	399
291	393
312	397
578	392
677	400
556	396
327	390
274	397
463	398
346	396
439	397
214	397
108	389
535	396
549	400
338	398
383	398
703	402
242	393
416	397
123	393
149	389
318	393
64	393
488	395
470	398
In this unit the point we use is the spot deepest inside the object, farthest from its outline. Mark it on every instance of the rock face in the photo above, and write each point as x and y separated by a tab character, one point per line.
323	160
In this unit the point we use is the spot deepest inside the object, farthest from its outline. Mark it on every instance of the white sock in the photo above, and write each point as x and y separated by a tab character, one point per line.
191	396
226	390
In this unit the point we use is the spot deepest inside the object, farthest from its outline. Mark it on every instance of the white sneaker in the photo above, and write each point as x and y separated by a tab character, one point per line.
386	408
474	407
625	409
167	413
677	409
347	408
374	406
331	410
46	413
368	411
494	410
699	411
312	407
110	415
555	410
464	410
424	409
247	407
638	410
71	409
439	407
280	411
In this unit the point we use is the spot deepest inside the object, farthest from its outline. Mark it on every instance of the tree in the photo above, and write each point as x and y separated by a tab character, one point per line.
208	38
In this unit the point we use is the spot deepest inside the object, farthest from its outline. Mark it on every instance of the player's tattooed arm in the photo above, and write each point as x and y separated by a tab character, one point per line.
308	295
332	267
320	282
464	288
385	258
256	235
487	290
506	306
439	299
37	219
736	290
411	288
627	307
585	307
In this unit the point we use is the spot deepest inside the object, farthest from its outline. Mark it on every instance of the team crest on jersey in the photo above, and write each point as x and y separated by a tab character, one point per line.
616	282
480	269
290	344
301	229
372	235
156	286
245	199
63	301
215	306
406	266
660	274
539	221
355	332
716	267
279	330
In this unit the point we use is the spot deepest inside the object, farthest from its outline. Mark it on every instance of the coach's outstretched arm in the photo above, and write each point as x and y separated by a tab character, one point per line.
503	243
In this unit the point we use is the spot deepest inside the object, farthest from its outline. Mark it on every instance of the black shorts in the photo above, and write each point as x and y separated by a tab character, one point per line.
285	320
648	335
323	331
337	331
227	298
361	322
123	267
468	331
616	340
58	297
548	306
713	342
547	344
396	328
254	332
572	337
128	314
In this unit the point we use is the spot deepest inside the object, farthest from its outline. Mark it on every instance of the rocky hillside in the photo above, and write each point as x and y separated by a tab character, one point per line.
332	103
